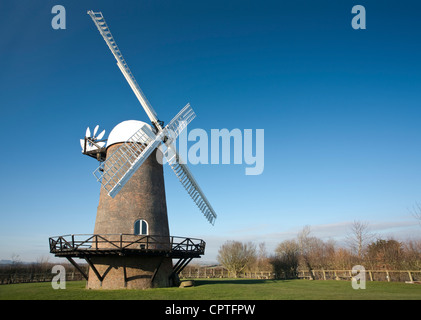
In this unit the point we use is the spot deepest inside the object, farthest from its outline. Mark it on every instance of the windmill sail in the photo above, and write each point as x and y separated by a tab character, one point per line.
102	26
179	122
118	168
192	187
176	125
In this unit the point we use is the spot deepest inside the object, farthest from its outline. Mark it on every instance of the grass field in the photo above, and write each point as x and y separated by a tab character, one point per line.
222	289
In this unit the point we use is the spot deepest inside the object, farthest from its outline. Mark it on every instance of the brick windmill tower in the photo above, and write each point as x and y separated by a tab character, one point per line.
131	246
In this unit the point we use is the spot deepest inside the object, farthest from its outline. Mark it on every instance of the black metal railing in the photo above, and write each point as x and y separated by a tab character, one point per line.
84	243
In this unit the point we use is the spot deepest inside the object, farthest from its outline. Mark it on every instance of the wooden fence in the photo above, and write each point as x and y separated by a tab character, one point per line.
219	272
370	275
10	278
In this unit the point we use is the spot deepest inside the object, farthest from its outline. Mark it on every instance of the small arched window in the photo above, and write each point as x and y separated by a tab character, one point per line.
141	227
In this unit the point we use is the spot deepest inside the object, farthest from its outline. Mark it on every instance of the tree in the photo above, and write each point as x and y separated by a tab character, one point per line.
359	237
303	245
286	258
416	211
235	256
307	246
303	239
344	259
412	251
262	261
385	254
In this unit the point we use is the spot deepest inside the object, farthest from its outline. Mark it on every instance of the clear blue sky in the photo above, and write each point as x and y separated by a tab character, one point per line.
340	109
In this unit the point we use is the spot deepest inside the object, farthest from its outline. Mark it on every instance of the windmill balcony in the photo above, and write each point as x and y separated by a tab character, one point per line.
82	245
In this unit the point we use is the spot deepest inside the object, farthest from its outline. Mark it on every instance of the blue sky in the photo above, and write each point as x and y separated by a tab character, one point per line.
340	109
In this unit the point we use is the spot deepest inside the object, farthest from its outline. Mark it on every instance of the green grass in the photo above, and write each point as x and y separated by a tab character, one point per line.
222	289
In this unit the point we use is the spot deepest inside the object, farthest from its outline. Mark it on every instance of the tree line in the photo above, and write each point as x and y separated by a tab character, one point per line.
307	252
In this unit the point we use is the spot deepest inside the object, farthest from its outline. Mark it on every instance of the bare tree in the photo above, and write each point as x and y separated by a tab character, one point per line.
412	249
286	259
262	261
305	246
288	248
235	256
303	239
416	211
386	254
359	237
16	260
262	254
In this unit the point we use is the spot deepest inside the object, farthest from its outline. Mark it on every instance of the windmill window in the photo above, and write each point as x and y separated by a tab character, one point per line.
140	227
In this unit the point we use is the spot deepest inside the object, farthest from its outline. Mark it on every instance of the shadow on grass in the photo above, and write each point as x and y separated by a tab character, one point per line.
202	282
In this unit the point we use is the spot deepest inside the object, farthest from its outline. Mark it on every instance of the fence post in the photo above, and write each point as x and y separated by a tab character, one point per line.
410	276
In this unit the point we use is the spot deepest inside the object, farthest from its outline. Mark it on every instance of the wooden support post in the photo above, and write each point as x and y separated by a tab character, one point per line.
186	261
177	264
77	267
95	271
156	270
125	275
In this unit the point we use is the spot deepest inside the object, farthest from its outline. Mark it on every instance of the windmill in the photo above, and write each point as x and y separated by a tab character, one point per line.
131	246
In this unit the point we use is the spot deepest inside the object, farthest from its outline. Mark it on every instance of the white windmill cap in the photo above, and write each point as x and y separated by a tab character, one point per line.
124	130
